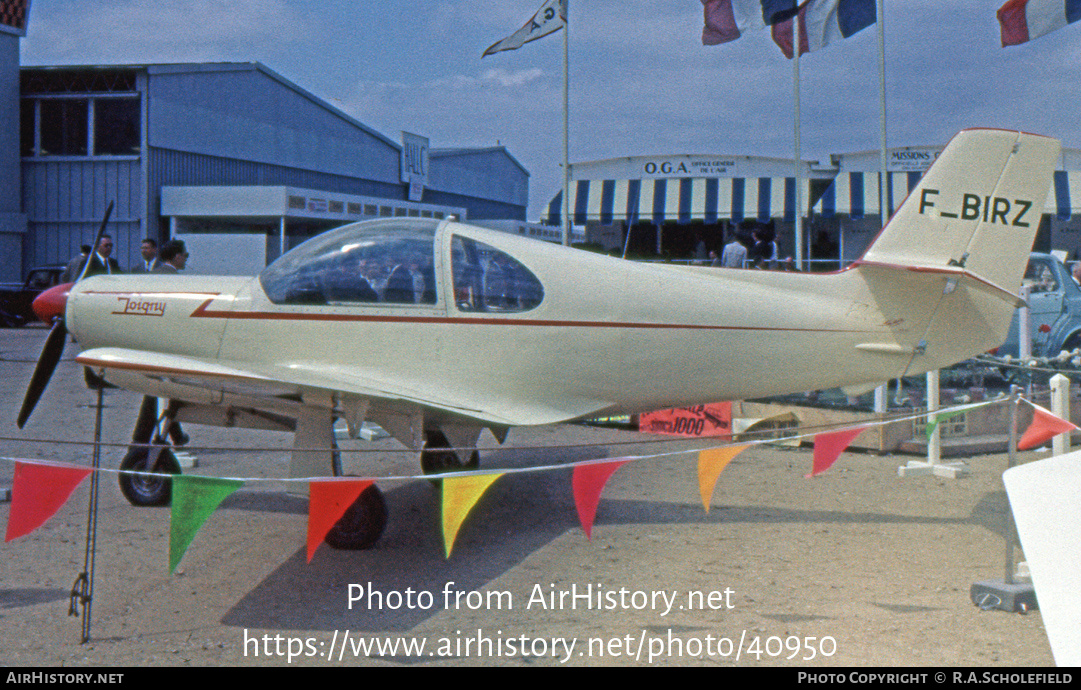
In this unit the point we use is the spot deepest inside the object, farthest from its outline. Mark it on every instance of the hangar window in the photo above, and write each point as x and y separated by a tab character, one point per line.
81	126
488	280
380	261
116	127
27	127
64	126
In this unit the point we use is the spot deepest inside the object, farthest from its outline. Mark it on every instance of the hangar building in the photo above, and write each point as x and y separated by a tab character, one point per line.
225	150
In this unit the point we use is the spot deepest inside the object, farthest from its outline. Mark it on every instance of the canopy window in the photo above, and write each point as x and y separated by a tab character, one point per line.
681	199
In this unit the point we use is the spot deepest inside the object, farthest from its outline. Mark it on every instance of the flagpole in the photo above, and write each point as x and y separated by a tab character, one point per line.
566	128
882	392
882	102
798	229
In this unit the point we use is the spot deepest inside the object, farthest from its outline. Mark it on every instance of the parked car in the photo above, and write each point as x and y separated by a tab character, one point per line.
16	298
1054	304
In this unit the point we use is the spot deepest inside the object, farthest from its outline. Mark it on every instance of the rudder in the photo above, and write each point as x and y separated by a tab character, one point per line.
978	207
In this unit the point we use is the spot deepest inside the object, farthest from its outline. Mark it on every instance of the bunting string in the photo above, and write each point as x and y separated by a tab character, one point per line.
769	439
41	487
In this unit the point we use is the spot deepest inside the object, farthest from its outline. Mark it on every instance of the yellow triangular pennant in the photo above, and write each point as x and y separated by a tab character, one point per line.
711	463
460	494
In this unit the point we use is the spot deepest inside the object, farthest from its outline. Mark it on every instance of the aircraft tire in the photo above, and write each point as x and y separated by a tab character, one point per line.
362	524
143	490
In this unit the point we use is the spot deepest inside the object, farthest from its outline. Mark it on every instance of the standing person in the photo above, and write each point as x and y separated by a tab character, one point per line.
174	257
149	250
700	253
734	254
765	249
102	261
75	265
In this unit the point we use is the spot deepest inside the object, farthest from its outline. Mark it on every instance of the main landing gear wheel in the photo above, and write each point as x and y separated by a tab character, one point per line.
436	459
145	490
362	524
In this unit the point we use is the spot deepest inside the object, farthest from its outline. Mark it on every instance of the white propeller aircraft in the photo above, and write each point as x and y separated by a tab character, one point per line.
436	330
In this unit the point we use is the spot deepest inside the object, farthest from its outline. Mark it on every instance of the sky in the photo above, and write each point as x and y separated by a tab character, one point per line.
641	82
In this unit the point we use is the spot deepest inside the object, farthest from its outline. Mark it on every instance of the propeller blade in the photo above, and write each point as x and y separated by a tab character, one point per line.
50	357
97	240
52	304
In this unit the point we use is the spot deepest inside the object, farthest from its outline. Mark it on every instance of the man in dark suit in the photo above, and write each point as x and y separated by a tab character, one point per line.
150	261
174	256
102	261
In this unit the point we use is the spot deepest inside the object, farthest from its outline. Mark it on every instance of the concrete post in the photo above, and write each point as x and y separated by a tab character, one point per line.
934	443
1024	326
1060	407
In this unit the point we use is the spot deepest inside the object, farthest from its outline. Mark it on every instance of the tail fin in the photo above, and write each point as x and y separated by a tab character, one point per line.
978	207
949	263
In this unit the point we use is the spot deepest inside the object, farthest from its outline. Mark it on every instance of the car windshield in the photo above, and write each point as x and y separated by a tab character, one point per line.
379	261
1039	277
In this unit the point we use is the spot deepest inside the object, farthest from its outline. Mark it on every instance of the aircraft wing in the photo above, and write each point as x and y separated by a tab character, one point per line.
266	383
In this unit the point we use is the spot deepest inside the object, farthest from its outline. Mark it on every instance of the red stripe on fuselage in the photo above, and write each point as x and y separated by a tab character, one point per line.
203	311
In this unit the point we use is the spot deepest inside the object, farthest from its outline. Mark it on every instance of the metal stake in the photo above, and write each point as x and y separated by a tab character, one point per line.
82	592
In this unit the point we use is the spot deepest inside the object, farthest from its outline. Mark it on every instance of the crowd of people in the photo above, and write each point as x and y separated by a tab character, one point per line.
746	249
756	248
171	259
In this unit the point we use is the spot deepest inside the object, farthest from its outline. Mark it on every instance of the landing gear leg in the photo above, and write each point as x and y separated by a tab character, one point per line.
436	458
364	521
143	489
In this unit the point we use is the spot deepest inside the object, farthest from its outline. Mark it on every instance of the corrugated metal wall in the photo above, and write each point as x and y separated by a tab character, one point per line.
65	201
245	112
9	116
179	168
481	174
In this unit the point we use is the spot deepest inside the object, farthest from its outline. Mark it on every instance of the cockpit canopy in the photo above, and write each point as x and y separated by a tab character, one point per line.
392	261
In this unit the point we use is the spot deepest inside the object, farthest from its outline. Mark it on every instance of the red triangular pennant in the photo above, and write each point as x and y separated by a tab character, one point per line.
37	492
828	447
327	502
587	484
1045	426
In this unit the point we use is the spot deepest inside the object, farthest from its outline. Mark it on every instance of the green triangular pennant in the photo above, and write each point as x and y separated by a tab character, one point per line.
194	499
940	417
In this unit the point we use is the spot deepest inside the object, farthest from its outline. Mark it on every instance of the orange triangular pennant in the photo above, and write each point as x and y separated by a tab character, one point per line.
1045	426
711	463
460	494
828	447
38	490
587	484
327	502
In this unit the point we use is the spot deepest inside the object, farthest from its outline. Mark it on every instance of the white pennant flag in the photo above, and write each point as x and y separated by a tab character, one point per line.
551	17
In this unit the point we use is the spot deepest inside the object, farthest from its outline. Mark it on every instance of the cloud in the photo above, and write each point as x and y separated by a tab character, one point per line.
504	77
144	31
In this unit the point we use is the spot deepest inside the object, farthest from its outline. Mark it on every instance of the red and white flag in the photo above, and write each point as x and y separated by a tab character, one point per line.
1024	20
822	22
551	17
727	20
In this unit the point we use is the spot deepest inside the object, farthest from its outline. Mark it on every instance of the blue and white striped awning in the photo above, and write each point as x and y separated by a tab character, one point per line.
1064	198
680	199
856	194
